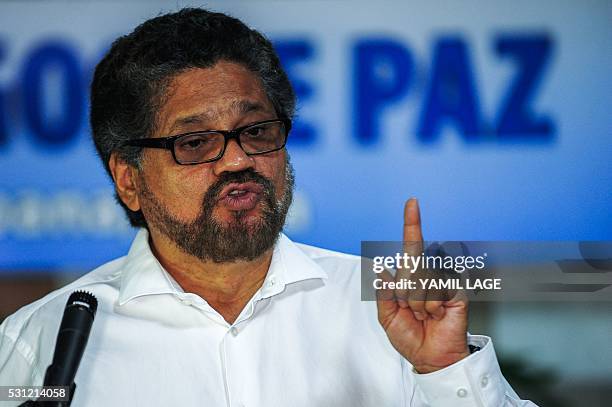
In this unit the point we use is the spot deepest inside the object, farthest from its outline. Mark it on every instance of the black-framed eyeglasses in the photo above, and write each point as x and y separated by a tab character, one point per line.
199	147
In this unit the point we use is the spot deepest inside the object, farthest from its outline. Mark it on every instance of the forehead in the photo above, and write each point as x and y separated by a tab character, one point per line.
209	97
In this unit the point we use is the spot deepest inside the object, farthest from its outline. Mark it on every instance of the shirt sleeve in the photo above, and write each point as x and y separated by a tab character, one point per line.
16	362
474	381
16	365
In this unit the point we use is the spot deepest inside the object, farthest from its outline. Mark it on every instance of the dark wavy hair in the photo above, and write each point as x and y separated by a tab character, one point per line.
130	82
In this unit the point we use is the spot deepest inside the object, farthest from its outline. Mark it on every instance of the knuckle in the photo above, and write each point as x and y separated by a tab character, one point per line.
432	306
416	305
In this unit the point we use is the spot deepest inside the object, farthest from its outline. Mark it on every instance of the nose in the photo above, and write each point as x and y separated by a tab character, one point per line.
234	159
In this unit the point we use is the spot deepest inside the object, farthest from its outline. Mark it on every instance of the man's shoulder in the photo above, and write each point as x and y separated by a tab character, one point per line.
337	265
319	253
103	280
27	337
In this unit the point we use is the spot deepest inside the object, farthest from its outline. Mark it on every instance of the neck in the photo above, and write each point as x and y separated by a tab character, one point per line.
227	287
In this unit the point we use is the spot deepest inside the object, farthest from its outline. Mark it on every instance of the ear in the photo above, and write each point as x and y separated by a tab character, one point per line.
125	177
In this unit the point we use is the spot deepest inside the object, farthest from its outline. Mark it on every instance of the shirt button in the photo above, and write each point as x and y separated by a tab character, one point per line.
272	282
187	302
461	392
234	331
484	381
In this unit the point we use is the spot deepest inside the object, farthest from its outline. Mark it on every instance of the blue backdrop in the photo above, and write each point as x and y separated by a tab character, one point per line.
495	116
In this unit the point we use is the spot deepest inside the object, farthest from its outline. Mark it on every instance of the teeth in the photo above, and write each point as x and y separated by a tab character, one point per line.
236	192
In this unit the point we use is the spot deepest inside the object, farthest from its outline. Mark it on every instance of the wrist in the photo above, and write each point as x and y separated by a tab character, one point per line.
424	368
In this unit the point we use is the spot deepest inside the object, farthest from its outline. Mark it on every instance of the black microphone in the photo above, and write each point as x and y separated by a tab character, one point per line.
70	345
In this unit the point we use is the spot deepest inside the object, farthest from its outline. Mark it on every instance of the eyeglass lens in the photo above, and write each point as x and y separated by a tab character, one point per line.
199	147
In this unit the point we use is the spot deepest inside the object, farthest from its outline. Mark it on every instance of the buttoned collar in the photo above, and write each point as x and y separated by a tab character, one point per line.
143	275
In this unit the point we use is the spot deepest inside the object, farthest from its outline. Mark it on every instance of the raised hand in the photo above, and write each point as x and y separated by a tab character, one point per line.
430	334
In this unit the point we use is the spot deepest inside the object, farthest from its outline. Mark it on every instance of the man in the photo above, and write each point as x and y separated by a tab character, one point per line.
213	305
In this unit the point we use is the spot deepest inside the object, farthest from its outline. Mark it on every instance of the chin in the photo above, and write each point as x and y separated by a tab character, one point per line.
235	218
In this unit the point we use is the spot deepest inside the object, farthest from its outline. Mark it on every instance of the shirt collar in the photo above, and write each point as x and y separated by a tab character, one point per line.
144	275
289	265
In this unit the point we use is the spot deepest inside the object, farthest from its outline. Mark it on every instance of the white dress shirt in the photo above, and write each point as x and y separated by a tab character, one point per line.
305	339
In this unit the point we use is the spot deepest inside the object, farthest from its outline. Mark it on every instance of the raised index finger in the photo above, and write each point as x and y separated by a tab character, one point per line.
413	236
412	246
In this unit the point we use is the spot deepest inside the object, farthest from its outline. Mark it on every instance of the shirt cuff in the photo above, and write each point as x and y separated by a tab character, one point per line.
473	381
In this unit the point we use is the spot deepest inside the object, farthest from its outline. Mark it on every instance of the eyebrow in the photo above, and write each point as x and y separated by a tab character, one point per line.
241	107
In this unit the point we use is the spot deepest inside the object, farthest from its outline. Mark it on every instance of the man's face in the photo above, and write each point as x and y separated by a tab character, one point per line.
228	210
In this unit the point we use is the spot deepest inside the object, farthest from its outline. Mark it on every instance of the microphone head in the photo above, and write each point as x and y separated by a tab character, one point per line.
83	299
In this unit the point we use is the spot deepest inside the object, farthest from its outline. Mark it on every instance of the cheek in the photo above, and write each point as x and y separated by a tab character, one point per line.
189	188
274	170
179	190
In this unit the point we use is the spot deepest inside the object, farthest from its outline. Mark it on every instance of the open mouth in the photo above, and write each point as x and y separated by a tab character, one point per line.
241	196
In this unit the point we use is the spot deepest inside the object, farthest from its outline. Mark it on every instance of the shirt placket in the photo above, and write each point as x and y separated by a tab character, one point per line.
231	350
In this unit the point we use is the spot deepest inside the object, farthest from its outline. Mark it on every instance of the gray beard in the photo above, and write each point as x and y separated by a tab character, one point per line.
209	240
